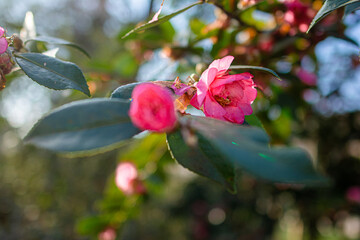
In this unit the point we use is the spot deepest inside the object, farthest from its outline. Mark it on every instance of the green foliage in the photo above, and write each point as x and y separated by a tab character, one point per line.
51	72
329	6
230	147
84	125
58	41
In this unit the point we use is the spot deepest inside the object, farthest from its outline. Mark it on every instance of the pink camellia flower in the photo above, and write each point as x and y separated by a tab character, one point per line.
3	41
223	96
126	179
152	108
107	234
298	15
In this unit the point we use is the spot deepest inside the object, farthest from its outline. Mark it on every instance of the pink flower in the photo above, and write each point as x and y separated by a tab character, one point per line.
107	234
298	14
152	108
3	41
353	194
126	179
306	77
223	96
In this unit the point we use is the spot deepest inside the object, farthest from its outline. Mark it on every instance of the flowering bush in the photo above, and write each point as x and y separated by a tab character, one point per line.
230	140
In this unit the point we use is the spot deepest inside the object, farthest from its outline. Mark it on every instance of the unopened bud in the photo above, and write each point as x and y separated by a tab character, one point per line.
6	64
17	42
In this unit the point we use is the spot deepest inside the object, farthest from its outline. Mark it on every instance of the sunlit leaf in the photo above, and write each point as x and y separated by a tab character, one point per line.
160	20
52	72
328	7
84	125
57	41
263	69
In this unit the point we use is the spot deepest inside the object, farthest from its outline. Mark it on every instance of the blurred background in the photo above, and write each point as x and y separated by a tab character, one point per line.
49	196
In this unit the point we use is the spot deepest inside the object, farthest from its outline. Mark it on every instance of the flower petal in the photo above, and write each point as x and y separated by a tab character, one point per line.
213	109
222	64
231	78
234	114
3	45
203	85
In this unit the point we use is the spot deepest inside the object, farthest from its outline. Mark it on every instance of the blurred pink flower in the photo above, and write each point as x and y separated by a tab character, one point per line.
223	96
107	234
306	77
353	194
3	41
152	108
298	15
126	179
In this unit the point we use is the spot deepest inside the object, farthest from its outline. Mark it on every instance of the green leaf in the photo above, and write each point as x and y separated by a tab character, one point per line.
202	159
125	91
83	126
51	72
246	148
254	121
352	7
263	69
57	41
160	20
328	7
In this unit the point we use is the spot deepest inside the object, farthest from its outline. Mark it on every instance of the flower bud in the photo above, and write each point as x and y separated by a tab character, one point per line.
6	63
152	108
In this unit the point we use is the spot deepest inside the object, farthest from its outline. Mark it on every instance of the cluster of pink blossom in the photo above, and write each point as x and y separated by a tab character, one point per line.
298	15
218	94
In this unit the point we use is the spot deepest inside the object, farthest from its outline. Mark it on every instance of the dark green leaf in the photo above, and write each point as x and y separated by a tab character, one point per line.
247	149
352	7
328	7
202	159
83	126
160	20
57	41
237	67
124	92
51	72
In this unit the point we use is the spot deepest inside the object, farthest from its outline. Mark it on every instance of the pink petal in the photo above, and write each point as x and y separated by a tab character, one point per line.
156	16
3	45
234	114
194	102
246	108
213	109
180	91
222	64
202	86
231	78
250	94
2	31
